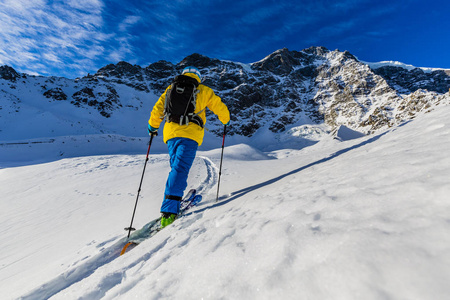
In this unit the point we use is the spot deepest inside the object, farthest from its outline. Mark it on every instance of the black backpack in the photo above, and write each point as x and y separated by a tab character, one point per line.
181	101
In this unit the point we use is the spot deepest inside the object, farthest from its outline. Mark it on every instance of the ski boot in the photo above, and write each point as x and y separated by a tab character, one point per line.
167	219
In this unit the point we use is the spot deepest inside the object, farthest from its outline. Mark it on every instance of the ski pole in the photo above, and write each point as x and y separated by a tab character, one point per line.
139	190
221	159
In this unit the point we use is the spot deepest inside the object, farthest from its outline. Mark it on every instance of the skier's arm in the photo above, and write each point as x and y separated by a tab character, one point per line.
157	114
218	107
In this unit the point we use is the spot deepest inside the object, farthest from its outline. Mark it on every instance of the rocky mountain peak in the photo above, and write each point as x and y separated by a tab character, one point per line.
281	62
161	65
9	73
160	70
197	60
120	69
319	51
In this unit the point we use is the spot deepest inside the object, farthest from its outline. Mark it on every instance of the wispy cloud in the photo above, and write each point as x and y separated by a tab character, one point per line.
57	33
128	22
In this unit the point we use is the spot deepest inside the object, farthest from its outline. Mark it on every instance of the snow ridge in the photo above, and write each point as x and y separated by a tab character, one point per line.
376	65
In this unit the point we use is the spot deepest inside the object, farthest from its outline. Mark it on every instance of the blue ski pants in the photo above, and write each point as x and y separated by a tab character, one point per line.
182	153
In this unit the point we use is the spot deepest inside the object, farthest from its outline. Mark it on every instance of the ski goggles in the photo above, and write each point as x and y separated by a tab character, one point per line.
192	70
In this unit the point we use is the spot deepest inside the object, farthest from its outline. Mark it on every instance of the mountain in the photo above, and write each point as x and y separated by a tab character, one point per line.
287	91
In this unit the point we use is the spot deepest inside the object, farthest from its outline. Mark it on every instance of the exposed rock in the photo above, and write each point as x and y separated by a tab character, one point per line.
120	70
56	94
8	73
408	82
83	96
197	60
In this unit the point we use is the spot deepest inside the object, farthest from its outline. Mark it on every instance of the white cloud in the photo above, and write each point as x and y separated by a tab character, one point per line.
86	5
51	57
128	22
59	32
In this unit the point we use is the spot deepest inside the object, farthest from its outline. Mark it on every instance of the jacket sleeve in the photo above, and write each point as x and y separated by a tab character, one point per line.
157	114
219	108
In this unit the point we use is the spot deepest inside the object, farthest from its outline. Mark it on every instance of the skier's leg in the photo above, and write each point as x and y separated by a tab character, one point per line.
182	153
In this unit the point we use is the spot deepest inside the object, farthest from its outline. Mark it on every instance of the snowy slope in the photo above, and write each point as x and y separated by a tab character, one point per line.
26	113
366	218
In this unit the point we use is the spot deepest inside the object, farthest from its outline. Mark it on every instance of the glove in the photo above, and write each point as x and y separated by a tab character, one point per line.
152	131
227	123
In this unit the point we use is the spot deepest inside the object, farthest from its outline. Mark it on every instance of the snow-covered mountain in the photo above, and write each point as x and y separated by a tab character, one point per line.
316	88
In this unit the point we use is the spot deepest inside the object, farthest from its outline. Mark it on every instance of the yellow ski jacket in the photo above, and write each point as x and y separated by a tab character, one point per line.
205	99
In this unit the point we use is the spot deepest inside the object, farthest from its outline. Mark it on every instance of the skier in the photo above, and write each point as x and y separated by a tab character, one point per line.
183	134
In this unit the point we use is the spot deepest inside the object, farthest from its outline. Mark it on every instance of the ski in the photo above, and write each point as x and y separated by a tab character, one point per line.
153	227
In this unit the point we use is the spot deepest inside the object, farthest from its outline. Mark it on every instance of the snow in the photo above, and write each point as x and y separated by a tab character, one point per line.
376	65
47	118
344	133
363	218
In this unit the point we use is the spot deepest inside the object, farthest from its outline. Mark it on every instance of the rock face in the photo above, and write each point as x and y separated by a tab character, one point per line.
56	94
285	89
9	73
408	82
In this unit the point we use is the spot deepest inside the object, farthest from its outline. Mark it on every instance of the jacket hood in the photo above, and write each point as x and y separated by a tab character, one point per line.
192	75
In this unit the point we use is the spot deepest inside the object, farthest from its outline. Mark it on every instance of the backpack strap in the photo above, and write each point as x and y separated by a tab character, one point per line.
194	117
197	120
193	100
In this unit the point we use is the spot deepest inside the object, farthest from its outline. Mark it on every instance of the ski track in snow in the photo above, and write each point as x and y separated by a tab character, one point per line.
80	271
211	177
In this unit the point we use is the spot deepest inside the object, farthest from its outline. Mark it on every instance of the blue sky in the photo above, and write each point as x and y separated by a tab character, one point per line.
74	37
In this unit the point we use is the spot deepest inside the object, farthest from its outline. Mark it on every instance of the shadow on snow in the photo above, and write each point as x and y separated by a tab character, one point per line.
237	194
